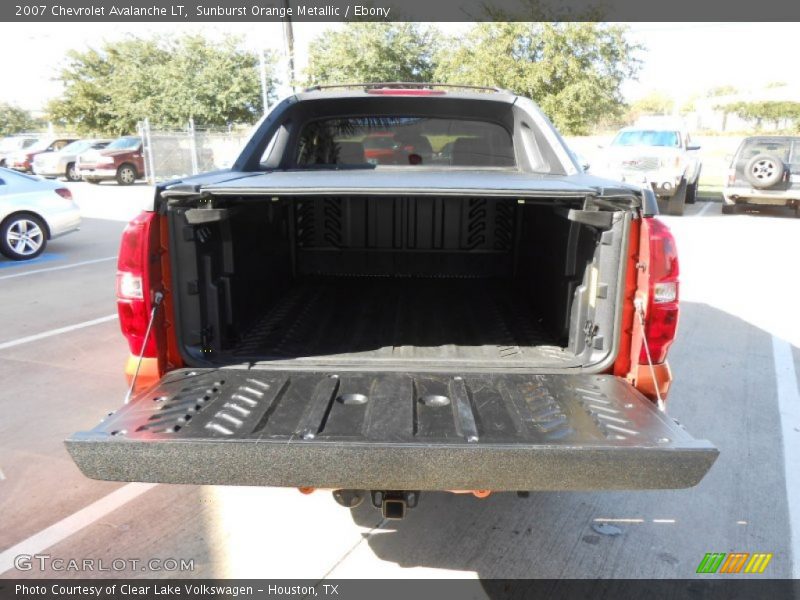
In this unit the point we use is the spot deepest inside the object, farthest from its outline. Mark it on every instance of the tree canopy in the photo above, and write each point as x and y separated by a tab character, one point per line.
372	52
654	103
574	71
776	112
15	120
168	80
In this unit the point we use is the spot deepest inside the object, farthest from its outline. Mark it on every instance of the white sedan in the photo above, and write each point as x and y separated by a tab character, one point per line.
33	211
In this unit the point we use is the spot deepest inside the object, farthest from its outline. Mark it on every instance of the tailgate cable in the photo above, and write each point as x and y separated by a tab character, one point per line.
640	312
157	297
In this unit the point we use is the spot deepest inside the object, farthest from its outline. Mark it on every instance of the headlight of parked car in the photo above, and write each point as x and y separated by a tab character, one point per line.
670	162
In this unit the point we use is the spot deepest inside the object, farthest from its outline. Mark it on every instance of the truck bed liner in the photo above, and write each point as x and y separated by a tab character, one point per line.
377	320
393	431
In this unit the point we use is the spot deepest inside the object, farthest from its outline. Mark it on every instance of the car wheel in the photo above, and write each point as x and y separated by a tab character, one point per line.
691	191
22	237
72	173
126	175
764	171
677	202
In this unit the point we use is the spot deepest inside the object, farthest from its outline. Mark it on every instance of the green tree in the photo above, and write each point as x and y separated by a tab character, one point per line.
573	70
167	80
776	112
14	120
721	90
372	52
654	103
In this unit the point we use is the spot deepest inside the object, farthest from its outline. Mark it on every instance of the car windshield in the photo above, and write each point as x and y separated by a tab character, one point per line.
647	137
788	150
123	143
404	141
76	147
40	144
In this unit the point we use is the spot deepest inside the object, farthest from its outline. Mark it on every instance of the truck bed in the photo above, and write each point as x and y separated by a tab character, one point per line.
375	320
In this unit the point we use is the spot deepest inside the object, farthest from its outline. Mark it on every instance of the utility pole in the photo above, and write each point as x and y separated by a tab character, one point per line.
262	63
288	38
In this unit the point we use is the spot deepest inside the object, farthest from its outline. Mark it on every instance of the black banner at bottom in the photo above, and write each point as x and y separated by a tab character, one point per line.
372	589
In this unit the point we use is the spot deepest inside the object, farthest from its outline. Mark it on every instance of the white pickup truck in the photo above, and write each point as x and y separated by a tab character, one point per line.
661	156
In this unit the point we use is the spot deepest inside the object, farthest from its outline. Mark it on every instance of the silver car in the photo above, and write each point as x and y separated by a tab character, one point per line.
33	211
62	162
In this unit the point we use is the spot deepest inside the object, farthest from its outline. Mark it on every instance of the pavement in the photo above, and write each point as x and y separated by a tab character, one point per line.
736	364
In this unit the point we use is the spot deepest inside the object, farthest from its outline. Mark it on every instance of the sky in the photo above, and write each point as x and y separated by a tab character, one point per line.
679	58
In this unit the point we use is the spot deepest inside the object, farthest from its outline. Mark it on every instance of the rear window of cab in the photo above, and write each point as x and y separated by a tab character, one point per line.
403	141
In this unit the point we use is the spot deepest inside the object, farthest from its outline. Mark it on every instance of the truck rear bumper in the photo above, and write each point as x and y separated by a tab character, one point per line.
393	431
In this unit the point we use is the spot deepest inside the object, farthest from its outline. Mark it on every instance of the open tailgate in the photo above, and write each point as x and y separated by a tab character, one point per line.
388	430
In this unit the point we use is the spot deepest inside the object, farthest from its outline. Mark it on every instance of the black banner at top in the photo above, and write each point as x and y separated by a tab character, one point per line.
398	10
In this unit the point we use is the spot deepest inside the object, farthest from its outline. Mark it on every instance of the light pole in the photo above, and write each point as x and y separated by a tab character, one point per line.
288	38
262	63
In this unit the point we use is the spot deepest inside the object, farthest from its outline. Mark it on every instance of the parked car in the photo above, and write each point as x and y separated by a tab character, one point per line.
62	162
659	154
765	171
497	323
122	160
33	211
382	148
22	160
13	144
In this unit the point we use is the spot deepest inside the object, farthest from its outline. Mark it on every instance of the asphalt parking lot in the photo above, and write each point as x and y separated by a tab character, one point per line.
736	366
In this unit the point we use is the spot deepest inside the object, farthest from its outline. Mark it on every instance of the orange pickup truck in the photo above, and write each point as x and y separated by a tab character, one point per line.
484	319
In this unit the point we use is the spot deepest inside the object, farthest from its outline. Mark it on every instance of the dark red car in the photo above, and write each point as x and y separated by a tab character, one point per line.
122	160
384	149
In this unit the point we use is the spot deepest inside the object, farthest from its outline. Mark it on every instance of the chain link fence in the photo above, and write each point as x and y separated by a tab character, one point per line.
172	154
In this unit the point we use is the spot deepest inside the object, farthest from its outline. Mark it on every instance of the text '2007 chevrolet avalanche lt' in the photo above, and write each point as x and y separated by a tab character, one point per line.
458	307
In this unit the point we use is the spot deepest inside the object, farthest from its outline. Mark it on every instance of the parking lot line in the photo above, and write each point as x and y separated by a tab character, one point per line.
703	210
789	407
72	524
59	331
59	268
44	258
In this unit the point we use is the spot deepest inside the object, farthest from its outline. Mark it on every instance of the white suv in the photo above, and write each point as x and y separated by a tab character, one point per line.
660	156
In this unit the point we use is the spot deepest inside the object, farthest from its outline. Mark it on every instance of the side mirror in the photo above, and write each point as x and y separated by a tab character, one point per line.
693	147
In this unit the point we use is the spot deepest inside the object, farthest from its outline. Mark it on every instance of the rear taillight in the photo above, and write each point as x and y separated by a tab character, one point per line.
64	193
134	299
661	312
731	177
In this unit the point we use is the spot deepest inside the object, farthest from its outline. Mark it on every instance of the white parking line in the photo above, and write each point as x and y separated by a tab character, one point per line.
52	332
703	210
789	407
73	523
49	269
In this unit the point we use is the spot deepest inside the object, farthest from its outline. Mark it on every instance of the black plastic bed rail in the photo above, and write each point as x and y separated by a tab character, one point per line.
393	431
